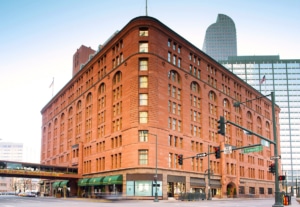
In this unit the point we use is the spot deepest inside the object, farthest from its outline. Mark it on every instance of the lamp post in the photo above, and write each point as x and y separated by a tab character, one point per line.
208	176
278	200
156	177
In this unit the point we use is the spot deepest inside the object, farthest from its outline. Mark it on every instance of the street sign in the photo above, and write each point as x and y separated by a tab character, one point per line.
227	149
252	149
201	154
274	158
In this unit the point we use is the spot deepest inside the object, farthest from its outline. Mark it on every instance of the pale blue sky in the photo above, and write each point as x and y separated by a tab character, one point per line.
39	37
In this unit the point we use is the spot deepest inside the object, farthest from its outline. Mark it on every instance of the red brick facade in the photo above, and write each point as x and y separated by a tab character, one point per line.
146	84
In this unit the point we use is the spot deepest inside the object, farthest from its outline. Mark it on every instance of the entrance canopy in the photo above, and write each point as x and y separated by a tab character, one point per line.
96	181
114	179
63	183
60	184
56	184
108	180
83	181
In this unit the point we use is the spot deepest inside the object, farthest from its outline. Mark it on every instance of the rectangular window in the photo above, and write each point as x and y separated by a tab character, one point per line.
169	106
261	190
174	60
173	91
174	124
143	117
143	157
170	140
143	32
143	47
143	136
143	64
251	190
179	62
175	141
170	160
169	57
143	82
174	46
174	108
179	94
199	74
270	191
143	99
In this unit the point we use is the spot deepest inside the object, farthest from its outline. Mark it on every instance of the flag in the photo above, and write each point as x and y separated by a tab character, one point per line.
52	83
262	80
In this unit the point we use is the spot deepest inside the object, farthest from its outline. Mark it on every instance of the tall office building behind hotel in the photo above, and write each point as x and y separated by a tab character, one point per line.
270	73
143	98
220	39
281	76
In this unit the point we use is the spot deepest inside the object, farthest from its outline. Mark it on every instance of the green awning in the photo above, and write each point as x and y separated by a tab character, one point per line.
96	181
63	183
114	179
56	184
83	181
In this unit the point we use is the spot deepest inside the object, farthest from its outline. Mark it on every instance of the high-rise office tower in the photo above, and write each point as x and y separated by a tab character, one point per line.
270	73
220	39
266	74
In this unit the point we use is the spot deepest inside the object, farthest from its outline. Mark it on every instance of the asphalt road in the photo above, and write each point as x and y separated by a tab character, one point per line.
15	201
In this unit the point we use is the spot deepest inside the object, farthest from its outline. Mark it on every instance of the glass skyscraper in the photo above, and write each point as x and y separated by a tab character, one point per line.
270	73
220	39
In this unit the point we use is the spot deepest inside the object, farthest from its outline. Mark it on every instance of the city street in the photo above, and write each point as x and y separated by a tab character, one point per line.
15	201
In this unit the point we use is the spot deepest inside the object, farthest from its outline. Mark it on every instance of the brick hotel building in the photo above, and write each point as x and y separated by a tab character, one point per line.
147	90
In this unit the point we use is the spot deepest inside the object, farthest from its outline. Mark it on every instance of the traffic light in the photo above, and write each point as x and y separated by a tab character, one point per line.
217	152
281	177
221	126
180	159
272	168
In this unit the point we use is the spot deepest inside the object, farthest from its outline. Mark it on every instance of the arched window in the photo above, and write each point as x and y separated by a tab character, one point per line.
174	76
195	87
101	88
226	103
70	113
117	77
89	99
78	105
62	117
212	96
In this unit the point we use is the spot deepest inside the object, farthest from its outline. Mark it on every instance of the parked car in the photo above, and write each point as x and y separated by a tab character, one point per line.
27	194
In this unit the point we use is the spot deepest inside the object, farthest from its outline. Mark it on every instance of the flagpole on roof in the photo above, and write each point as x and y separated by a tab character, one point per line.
52	86
146	7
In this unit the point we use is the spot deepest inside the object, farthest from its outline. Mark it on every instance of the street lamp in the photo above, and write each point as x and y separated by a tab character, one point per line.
208	176
278	200
156	177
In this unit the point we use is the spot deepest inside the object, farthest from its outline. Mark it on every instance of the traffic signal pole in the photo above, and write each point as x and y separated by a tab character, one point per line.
278	199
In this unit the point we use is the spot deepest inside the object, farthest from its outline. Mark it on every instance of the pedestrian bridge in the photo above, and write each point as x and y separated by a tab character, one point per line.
34	170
